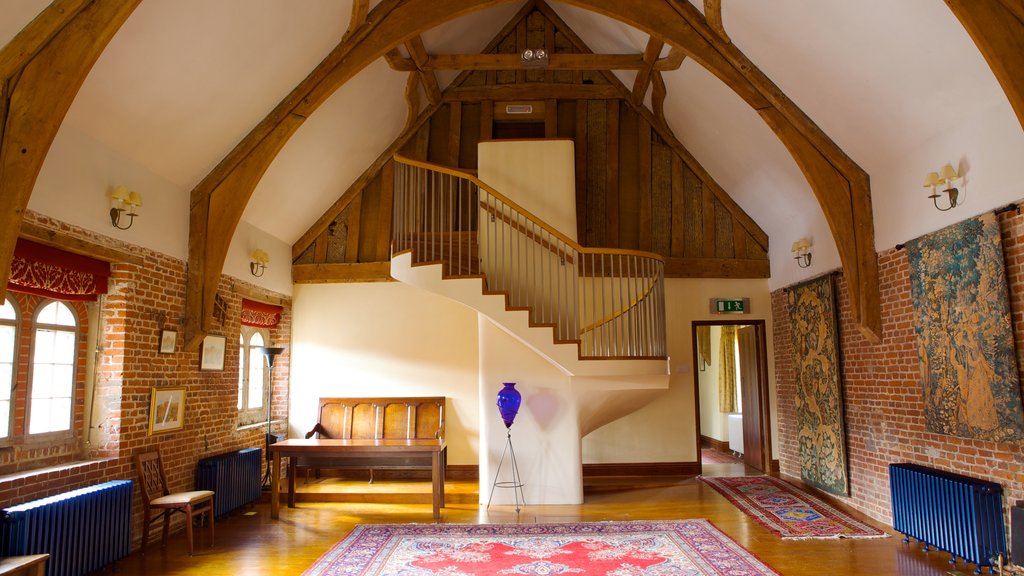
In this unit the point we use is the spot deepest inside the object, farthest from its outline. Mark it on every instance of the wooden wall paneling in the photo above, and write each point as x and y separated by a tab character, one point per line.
708	226
535	38
352	239
306	256
644	144
678	228
550	46
723	232
597	173
693	206
551	118
369	220
739	241
486	120
715	268
520	45
320	248
470	136
581	141
341	272
627	208
661	198
566	119
611	234
387	200
454	133
437	148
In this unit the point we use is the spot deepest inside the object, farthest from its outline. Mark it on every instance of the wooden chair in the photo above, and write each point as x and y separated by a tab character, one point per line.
156	498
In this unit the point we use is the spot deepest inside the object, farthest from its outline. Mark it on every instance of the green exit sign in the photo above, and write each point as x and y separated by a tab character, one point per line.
730	305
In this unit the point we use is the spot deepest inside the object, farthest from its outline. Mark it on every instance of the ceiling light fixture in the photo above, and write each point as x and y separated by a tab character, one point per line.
534	58
122	197
946	177
258	262
802	250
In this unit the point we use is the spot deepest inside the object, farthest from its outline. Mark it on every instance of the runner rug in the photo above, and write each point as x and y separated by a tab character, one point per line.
640	548
788	512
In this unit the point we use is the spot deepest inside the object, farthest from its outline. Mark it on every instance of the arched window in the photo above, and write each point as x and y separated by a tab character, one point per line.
252	376
53	369
8	346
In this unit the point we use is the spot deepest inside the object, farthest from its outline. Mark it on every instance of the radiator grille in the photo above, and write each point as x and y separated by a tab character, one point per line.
234	476
951	512
82	530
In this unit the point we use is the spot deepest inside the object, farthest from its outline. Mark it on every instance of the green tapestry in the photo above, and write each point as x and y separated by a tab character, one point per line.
819	398
964	332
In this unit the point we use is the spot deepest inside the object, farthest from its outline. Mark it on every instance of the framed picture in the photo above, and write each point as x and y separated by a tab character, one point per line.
166	410
213	353
168	340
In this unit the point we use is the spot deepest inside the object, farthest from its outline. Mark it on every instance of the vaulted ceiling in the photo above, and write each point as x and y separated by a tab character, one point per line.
818	118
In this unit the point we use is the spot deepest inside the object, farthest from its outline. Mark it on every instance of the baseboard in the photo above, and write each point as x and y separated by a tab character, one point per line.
642	469
776	470
709	442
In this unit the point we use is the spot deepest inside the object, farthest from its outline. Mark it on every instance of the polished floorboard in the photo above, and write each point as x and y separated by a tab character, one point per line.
248	542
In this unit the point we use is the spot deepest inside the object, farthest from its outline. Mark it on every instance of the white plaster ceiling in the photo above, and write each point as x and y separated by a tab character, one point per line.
182	82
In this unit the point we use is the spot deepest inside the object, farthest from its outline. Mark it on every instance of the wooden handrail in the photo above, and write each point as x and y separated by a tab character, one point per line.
512	204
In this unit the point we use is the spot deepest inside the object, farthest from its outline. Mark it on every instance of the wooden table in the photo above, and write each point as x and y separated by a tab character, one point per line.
413	454
34	565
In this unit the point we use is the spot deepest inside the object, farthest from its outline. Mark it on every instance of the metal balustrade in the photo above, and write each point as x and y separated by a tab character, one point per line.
610	301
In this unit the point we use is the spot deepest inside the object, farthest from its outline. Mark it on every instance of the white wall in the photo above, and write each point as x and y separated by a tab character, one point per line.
385	339
665	430
545	434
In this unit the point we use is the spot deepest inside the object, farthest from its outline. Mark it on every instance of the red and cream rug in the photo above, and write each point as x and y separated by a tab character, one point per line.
788	512
639	548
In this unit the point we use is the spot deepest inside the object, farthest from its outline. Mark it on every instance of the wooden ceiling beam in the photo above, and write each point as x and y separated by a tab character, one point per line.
713	14
643	76
533	91
43	68
997	28
427	78
360	9
400	63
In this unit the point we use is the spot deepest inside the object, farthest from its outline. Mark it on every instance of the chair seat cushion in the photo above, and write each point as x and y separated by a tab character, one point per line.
182	498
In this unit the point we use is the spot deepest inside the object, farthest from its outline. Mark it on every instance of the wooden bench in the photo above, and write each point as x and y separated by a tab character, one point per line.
408	418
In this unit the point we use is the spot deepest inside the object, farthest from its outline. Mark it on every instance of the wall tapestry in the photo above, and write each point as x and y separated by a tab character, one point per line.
961	304
819	399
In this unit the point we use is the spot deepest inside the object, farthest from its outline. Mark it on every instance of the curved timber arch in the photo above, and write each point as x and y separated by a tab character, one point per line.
840	186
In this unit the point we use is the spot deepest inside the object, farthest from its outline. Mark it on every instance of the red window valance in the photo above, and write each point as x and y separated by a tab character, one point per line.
51	272
260	314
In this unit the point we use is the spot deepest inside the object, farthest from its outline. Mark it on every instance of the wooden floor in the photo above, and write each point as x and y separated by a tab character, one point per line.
250	543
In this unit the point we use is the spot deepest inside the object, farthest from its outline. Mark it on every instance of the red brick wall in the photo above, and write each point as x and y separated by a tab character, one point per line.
143	300
882	394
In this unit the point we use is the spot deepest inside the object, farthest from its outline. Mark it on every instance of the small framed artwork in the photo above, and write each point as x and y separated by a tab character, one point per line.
168	340
213	353
166	410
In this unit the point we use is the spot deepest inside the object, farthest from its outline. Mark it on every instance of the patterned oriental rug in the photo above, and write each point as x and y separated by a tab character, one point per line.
788	512
640	548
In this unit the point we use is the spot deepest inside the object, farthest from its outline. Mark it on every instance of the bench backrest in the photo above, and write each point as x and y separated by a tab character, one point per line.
376	418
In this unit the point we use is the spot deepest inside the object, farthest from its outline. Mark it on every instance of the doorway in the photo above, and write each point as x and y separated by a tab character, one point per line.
736	422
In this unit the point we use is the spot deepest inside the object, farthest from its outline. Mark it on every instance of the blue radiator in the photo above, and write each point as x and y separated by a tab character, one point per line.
82	530
950	512
234	476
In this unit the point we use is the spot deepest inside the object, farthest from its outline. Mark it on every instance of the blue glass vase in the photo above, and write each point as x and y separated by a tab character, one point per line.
509	400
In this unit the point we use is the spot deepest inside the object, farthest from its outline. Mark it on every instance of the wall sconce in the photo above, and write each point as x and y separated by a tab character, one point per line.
802	250
946	177
535	58
258	262
121	197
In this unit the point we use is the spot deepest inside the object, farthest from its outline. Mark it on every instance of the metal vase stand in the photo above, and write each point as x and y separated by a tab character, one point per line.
516	484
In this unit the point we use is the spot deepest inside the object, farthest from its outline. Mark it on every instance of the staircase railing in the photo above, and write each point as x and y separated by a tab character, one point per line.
610	301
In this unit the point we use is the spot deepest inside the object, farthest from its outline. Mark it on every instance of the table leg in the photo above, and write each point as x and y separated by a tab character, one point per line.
437	479
291	481
275	485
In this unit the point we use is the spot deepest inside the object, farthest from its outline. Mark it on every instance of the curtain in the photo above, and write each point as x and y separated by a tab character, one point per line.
703	346
53	273
260	314
727	370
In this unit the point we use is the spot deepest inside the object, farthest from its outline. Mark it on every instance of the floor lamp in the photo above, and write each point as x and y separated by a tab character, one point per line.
271	355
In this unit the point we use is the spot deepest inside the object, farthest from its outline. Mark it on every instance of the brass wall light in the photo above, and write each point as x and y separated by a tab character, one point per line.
942	183
802	252
121	198
258	261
